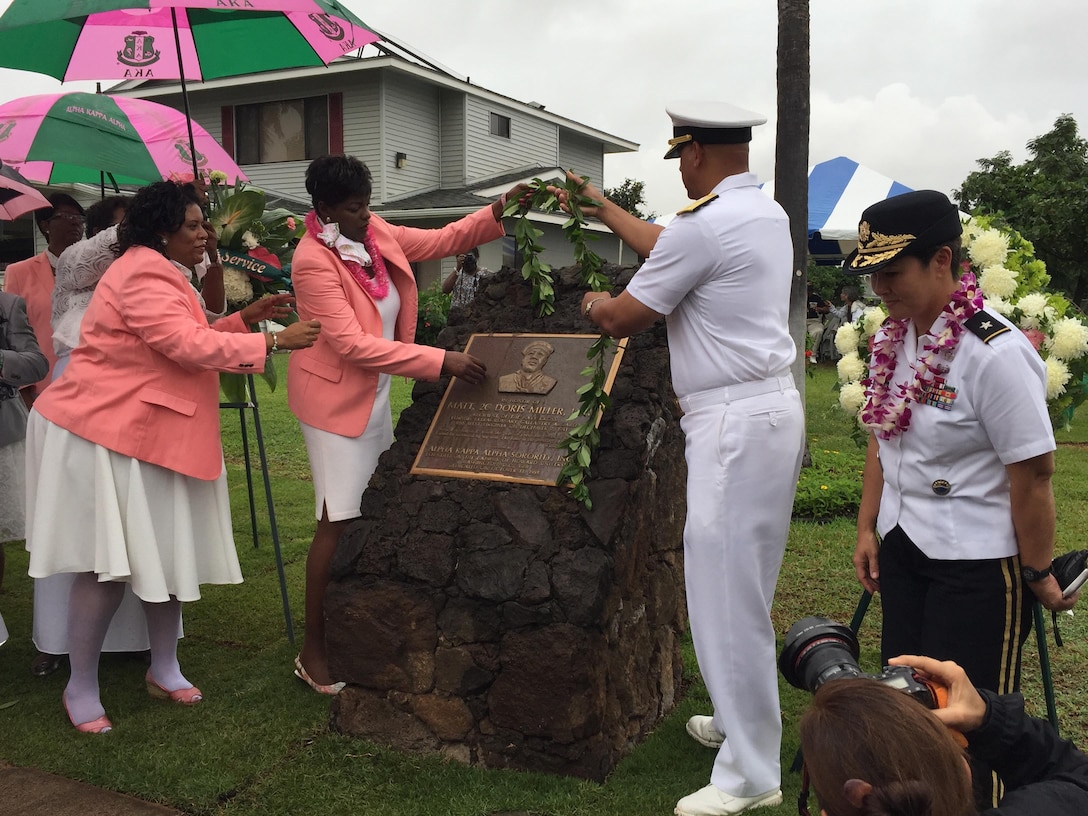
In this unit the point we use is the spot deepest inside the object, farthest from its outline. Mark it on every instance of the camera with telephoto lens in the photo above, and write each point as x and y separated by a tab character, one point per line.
470	263
818	649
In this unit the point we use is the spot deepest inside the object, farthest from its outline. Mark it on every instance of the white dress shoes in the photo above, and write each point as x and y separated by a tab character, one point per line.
701	729
711	801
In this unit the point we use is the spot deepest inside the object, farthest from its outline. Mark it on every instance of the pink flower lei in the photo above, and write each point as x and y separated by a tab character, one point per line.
376	281
888	414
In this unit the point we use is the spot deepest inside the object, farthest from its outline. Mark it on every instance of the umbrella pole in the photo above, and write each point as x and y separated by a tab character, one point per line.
184	93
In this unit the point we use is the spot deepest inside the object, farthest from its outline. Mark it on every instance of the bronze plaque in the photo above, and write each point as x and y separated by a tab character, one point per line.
509	427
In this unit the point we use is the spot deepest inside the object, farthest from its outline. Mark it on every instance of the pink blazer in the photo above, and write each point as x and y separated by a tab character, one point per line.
32	280
144	379
332	385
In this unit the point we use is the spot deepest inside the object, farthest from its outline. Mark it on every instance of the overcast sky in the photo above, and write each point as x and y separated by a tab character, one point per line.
915	89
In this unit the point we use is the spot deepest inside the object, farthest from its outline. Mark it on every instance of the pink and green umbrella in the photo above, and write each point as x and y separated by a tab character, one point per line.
137	39
73	137
17	196
175	39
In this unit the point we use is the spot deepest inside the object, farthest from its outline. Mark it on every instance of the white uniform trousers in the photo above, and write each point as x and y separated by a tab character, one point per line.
743	450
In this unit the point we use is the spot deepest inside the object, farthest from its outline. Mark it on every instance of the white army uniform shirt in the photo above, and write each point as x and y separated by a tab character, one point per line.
944	478
713	272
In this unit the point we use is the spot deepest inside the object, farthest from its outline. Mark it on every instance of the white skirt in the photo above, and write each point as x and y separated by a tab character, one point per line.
342	465
12	490
127	631
90	509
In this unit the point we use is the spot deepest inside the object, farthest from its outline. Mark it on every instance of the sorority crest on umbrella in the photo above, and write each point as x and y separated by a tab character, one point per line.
139	50
187	156
331	29
6	128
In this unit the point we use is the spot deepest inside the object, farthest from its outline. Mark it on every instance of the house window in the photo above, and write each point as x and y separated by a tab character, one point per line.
500	125
289	130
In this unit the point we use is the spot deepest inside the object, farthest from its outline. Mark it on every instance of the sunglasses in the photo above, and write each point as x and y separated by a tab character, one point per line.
70	218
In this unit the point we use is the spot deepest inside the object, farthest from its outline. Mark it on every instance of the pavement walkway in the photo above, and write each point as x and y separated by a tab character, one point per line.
29	792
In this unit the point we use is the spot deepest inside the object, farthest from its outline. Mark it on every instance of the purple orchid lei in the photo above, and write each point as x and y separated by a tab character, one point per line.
888	414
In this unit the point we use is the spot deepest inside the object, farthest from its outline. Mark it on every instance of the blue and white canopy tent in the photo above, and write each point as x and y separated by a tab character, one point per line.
838	191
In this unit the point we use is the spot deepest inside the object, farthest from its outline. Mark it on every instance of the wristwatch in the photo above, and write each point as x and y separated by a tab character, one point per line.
1032	575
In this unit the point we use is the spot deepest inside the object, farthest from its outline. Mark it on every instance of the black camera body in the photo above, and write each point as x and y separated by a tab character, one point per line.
469	265
818	649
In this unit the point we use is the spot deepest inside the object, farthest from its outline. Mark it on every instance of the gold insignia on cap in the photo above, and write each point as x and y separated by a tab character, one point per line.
874	247
680	140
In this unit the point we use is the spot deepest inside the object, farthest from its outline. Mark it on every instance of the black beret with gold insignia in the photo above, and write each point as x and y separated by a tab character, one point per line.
709	123
914	221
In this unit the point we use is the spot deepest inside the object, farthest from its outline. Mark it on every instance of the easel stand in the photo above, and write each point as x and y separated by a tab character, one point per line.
251	404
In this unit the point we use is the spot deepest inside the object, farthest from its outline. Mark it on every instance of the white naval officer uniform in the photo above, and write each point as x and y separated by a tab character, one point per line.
722	274
946	489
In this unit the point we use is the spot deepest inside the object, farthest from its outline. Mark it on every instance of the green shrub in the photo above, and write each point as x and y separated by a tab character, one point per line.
831	486
434	308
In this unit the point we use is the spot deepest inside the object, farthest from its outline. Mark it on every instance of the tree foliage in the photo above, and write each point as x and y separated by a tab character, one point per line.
630	196
1042	198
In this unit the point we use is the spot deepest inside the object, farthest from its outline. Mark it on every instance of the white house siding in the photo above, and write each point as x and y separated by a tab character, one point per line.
362	122
453	138
410	118
582	155
531	141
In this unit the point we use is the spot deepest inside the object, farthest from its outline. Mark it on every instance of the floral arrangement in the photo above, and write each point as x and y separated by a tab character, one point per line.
255	249
255	243
1000	274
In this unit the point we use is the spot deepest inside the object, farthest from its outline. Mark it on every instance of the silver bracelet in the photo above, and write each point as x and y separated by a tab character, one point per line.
275	343
589	307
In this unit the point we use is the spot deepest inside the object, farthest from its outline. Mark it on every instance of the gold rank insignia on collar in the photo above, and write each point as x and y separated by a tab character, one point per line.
695	205
985	326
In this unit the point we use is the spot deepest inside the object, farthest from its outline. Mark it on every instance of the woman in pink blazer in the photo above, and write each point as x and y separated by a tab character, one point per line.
32	280
352	272
125	470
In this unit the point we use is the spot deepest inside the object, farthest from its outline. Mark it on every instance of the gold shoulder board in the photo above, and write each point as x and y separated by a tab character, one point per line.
984	326
693	206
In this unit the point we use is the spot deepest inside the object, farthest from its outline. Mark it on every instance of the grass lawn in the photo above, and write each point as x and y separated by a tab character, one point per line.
260	744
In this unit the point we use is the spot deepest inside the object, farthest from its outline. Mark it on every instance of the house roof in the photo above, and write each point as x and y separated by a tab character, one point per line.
473	195
398	59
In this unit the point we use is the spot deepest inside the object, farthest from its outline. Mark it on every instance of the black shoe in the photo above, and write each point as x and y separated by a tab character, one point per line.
45	664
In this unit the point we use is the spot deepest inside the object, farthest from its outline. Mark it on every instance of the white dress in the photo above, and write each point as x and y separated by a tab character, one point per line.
158	530
342	465
12	489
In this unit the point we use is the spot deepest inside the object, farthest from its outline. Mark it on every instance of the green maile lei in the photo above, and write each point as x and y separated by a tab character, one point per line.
584	437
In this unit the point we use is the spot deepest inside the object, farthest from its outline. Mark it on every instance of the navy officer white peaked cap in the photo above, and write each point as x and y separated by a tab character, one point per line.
709	123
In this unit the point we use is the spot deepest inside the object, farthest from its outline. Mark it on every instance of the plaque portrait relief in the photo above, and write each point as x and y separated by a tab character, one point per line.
510	427
530	378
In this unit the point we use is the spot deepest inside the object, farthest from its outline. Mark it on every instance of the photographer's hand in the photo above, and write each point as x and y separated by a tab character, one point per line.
965	710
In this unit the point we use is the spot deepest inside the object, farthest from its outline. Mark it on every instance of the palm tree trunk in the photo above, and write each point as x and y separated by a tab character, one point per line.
791	161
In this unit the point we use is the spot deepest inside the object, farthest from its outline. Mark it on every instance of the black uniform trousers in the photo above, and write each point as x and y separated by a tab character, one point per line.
977	613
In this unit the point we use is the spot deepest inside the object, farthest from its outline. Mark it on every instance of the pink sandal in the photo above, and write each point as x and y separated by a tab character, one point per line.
100	726
185	696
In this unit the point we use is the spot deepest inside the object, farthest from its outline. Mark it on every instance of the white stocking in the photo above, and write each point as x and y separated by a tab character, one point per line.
163	620
91	606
